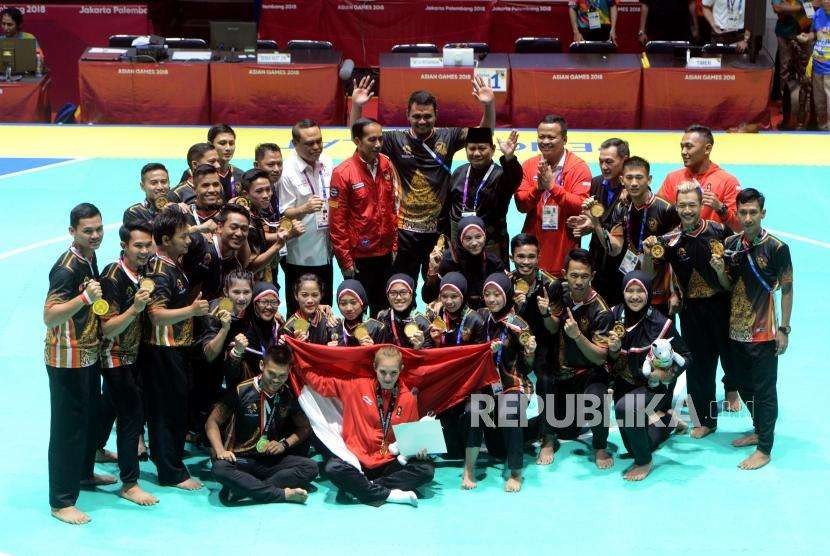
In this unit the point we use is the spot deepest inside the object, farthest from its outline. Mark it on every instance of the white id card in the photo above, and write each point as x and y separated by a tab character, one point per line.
629	261
498	387
550	217
468	213
593	20
322	217
809	9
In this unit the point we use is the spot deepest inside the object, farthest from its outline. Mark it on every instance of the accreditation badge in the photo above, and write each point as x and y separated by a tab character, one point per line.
550	217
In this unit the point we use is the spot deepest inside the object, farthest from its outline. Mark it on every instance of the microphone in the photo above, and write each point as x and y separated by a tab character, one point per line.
346	69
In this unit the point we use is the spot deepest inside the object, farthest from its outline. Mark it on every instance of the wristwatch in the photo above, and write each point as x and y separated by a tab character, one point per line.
785	329
722	210
284	443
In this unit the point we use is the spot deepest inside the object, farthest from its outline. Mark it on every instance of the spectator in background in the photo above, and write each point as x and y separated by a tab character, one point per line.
704	30
726	17
11	23
593	20
667	20
793	19
821	62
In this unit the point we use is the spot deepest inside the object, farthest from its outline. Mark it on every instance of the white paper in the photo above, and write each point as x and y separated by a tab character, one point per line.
100	50
414	437
703	63
273	58
432	62
181	55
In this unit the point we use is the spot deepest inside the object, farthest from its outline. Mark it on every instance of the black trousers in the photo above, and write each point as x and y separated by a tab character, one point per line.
569	396
206	389
705	326
373	485
293	273
106	415
121	384
165	373
452	423
372	273
757	368
639	437
74	396
413	253
264	478
509	417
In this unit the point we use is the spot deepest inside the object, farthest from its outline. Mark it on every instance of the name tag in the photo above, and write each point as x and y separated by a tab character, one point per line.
593	20
467	213
357	186
629	262
550	217
809	9
321	217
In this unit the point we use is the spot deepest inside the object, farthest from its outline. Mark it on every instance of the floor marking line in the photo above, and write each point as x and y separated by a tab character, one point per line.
44	167
804	239
45	242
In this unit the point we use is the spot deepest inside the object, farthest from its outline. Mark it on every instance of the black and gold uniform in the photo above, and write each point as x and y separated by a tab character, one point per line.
71	357
704	315
165	365
756	270
206	266
608	279
118	365
320	330
140	213
251	414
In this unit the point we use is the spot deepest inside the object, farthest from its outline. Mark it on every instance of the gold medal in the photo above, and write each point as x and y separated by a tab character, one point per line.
619	329
261	444
524	338
101	307
147	285
383	449
657	251
716	248
521	286
225	304
360	332
411	329
441	243
301	326
285	224
597	210
161	202
439	324
242	202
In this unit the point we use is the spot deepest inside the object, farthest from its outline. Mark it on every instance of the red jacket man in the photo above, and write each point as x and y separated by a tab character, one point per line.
719	187
363	221
566	180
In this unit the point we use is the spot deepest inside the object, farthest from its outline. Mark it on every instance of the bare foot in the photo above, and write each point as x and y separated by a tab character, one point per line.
637	472
546	453
603	459
701	432
98	480
142	450
105	456
757	460
750	439
513	484
189	484
296	495
680	427
733	401
468	481
135	493
71	515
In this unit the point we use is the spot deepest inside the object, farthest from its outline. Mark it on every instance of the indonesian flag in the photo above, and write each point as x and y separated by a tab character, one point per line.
440	378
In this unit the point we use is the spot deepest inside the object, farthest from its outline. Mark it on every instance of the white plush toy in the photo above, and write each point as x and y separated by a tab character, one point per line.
661	356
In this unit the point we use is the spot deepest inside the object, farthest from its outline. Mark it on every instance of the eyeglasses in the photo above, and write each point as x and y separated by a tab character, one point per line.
268	304
400	294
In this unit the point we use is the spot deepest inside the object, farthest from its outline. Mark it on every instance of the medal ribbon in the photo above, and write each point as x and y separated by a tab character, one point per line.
478	191
385	420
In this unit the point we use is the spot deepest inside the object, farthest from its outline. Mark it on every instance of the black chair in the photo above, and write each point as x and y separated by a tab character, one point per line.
720	48
481	49
121	41
178	42
666	47
420	48
537	45
267	44
592	47
309	45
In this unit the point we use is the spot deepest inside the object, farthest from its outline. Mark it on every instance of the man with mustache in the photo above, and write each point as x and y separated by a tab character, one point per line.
364	213
197	155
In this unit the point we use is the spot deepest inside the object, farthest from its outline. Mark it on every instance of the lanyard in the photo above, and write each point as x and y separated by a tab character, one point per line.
610	194
432	153
87	261
394	328
265	426
478	191
385	420
460	328
323	194
754	268
642	225
502	337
